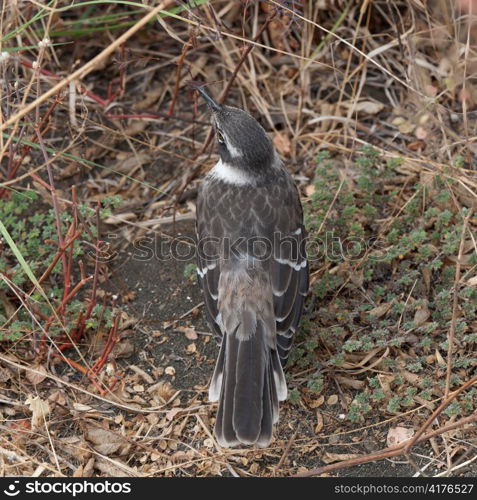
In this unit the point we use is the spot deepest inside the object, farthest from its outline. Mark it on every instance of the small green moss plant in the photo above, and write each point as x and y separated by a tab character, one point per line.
366	295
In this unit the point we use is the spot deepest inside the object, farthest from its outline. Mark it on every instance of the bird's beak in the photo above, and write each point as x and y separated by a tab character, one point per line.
213	105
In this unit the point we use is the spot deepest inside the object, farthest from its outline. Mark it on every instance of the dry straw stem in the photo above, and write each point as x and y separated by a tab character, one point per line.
352	47
88	67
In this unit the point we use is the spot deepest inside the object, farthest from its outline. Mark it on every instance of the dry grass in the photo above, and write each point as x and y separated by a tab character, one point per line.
93	95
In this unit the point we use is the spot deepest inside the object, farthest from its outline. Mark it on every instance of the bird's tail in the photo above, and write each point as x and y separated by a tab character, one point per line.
248	382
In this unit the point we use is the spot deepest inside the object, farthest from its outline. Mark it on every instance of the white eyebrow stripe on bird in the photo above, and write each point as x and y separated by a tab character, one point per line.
292	264
229	174
234	152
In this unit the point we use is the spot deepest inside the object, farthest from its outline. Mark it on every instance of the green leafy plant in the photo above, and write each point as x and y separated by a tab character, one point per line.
395	295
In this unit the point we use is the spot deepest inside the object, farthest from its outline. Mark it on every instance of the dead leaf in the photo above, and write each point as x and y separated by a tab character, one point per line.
412	378
162	389
472	281
172	413
82	408
37	376
351	382
103	440
190	333
316	403
332	400
319	422
40	409
5	374
170	370
57	397
8	306
404	126
115	469
282	143
421	315
310	189
440	359
397	435
329	458
368	107
420	133
381	310
191	348
426	274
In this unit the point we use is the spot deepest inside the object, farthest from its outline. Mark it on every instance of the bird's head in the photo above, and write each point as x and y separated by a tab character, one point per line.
242	141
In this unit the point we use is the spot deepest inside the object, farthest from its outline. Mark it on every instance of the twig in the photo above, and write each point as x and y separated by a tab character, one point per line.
285	452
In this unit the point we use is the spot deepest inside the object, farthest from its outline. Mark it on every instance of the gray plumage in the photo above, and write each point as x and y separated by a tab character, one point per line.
253	271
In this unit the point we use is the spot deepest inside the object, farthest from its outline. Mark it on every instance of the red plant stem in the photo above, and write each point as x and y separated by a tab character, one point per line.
26	149
92	377
116	378
41	71
72	229
58	255
38	179
180	63
73	337
75	290
110	343
56	209
102	102
80	327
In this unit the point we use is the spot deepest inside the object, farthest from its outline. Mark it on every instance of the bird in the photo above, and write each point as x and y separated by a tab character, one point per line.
253	271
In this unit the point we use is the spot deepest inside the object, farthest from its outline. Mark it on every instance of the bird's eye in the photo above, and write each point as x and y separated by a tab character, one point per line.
220	137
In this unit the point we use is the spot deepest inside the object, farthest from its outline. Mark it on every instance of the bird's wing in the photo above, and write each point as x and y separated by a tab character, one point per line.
210	230
289	270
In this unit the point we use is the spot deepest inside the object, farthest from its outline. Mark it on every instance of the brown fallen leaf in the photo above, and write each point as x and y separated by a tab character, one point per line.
39	409
332	400
103	440
319	422
440	360
380	310
282	143
190	333
316	403
37	376
351	382
172	413
421	315
367	107
329	458
472	281
397	435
